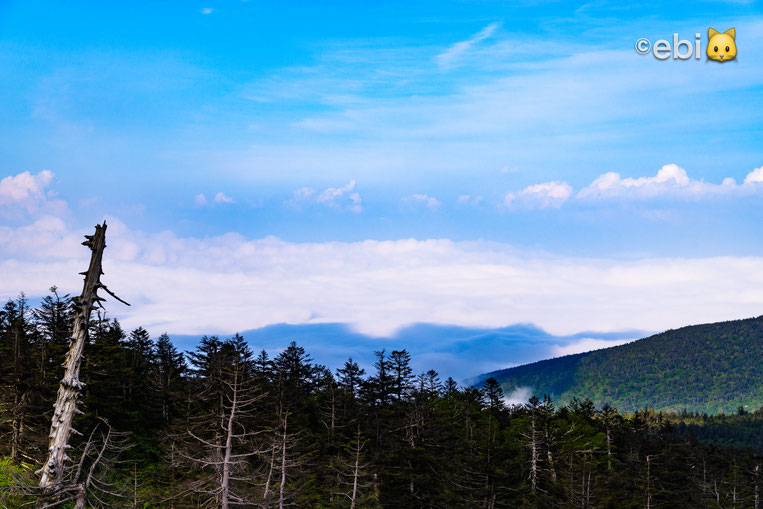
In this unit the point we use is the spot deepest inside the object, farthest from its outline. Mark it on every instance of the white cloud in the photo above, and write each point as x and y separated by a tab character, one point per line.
207	10
429	202
24	186
754	176
332	197
200	200
450	57
540	196
671	181
337	198
46	239
378	286
586	345
27	193
223	198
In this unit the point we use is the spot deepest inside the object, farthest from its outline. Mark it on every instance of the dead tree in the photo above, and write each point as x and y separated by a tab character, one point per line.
86	484
284	460
89	486
355	476
53	471
534	438
228	452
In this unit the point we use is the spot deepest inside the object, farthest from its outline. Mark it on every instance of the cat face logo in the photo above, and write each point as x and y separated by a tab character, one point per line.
721	46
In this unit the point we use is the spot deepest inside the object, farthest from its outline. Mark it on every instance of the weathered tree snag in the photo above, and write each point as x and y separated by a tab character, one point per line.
53	471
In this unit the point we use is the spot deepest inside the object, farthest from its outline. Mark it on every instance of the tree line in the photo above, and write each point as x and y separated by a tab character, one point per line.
224	426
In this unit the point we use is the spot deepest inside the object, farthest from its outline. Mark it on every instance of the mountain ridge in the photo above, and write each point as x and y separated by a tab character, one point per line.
706	368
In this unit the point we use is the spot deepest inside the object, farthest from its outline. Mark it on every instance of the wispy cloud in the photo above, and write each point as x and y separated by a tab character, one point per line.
451	57
206	10
220	198
563	99
540	196
429	202
468	199
223	198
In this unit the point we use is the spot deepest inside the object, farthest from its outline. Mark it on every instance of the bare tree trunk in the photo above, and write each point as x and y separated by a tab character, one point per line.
355	473
81	500
270	472
225	485
550	458
17	426
609	448
757	488
535	453
648	483
52	472
281	491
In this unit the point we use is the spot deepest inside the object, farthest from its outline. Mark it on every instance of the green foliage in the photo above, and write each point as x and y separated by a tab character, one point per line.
11	472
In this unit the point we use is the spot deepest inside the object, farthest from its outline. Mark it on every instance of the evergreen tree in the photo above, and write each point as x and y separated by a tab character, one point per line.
401	373
18	381
350	377
53	320
168	378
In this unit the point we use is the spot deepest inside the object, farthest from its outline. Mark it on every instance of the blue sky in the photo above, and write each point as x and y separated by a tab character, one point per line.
380	164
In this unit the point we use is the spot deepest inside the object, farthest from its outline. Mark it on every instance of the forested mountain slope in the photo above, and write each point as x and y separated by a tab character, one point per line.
712	368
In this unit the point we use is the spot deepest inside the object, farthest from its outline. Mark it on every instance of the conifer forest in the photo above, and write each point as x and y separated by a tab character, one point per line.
225	426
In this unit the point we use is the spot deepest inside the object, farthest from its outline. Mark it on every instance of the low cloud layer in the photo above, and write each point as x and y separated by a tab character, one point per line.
520	396
586	345
228	283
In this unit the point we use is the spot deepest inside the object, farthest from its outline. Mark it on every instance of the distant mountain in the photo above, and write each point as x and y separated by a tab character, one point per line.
709	368
454	351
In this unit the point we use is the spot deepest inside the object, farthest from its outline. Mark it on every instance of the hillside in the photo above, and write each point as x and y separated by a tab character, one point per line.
709	368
